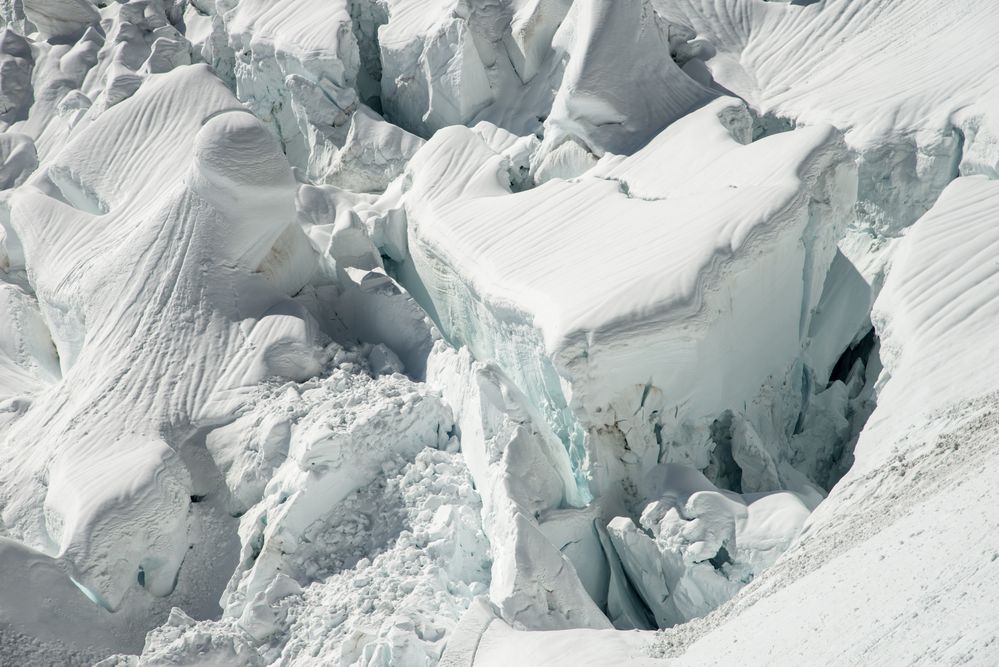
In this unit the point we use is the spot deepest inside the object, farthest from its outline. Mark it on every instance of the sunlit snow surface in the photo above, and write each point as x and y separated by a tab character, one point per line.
498	332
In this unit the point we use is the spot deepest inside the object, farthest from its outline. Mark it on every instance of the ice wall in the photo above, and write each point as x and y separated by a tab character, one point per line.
637	340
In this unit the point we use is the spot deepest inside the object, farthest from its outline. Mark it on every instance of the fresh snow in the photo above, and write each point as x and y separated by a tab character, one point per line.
498	332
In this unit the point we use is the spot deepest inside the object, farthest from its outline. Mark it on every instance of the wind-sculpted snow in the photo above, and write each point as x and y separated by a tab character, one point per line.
895	531
615	334
900	81
118	248
488	332
887	75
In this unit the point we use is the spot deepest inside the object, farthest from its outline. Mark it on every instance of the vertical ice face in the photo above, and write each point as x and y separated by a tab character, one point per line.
621	85
523	474
627	352
658	357
295	65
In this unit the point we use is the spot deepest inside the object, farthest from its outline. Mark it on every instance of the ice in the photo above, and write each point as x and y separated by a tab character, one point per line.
698	545
522	471
61	18
590	326
496	643
28	362
893	533
151	213
432	72
374	153
617	109
913	119
491	332
319	467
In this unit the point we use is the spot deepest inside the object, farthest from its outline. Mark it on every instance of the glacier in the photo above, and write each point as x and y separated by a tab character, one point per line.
492	332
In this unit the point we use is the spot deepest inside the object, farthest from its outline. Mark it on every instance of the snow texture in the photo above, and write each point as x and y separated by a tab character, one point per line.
498	332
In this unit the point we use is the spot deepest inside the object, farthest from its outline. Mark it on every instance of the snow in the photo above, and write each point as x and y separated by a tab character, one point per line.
888	77
892	543
490	332
698	545
522	471
61	19
593	321
604	108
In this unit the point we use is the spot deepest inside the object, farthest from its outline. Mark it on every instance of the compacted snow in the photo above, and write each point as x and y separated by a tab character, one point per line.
498	332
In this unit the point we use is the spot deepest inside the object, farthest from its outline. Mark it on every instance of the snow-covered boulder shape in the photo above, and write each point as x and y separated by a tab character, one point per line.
620	88
698	545
138	245
887	533
626	305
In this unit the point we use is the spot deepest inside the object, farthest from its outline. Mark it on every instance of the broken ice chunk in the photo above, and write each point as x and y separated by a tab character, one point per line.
698	545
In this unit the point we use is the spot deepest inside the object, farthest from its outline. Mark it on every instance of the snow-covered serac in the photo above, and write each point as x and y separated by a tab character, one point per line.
491	332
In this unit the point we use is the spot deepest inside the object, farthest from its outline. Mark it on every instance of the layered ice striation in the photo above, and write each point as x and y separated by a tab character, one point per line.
633	356
698	351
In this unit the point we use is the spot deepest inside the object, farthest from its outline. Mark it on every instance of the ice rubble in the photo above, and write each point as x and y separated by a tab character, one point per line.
655	300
